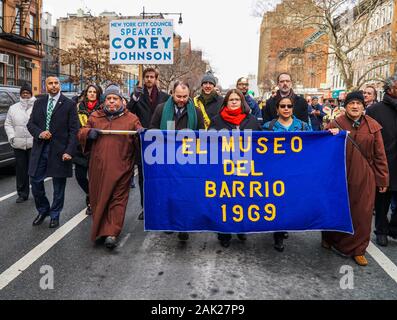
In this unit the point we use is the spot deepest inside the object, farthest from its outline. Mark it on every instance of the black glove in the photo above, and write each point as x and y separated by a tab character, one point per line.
93	134
138	92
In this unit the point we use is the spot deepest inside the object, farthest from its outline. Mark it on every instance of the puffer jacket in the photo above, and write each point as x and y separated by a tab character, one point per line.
15	124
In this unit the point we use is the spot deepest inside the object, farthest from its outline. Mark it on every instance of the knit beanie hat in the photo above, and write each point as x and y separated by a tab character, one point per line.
355	95
209	77
26	87
113	89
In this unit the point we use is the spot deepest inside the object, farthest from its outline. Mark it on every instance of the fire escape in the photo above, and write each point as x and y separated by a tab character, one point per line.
14	30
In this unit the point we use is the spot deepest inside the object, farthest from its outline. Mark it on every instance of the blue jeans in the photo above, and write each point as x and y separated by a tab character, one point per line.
38	190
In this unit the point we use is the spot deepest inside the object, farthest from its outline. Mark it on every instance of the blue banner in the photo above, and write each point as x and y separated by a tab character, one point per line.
242	182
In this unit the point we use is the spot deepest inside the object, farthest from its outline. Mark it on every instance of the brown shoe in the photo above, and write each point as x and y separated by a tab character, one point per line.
360	260
325	245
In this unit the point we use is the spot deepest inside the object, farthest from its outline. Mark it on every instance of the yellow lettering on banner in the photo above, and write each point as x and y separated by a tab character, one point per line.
241	167
271	210
186	146
224	191
255	186
198	148
299	147
253	173
224	213
278	145
238	187
228	146
210	189
253	214
262	143
249	143
226	165
239	212
267	189
278	188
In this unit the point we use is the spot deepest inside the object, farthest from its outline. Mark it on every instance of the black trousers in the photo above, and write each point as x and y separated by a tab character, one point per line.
382	206
81	173
22	158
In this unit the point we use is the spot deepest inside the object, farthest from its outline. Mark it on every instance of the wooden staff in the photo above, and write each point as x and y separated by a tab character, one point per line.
120	132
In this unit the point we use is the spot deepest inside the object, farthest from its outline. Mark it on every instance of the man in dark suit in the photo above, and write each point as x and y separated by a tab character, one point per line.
143	103
54	125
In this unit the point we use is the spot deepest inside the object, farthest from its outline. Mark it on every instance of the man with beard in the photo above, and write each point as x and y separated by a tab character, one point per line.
284	83
385	112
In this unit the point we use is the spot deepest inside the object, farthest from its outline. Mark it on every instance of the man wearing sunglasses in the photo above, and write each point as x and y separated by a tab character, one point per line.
284	83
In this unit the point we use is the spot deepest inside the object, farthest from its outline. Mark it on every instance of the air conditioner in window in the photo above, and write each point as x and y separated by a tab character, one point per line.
4	58
29	64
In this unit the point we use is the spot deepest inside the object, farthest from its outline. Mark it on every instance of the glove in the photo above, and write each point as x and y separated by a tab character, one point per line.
93	134
138	92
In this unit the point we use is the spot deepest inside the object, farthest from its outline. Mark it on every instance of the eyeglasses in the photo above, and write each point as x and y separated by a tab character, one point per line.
243	84
283	106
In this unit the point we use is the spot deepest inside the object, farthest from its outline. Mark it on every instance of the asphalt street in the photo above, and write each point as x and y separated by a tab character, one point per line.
157	266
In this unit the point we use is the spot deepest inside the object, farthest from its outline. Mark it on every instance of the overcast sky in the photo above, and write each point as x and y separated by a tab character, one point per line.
224	29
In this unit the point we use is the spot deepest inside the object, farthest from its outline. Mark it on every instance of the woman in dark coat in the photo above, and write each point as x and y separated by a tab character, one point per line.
89	104
234	114
366	170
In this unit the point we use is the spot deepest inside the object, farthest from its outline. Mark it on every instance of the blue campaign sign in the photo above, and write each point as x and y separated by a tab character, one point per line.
242	182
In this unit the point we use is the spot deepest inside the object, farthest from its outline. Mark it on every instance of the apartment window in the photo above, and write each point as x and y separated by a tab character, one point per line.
1	13
11	71
24	73
390	13
31	26
17	21
2	73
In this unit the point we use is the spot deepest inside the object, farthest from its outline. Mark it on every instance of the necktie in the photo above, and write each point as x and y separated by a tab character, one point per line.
49	113
178	113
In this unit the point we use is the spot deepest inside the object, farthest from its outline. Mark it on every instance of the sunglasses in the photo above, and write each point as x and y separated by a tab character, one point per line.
283	106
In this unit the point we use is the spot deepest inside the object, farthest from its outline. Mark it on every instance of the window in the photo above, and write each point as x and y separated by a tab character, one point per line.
17	21
11	70
5	102
24	73
1	13
2	73
31	26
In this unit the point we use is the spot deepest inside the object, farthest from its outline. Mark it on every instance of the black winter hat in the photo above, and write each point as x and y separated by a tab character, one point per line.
209	77
355	95
26	87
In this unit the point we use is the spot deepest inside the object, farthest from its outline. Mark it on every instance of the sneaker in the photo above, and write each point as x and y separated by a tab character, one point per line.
361	260
381	239
110	242
183	236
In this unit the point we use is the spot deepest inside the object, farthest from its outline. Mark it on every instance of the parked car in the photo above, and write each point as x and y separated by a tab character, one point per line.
8	96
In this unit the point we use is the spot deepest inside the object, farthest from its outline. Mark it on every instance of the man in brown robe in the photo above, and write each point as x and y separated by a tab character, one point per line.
366	169
111	165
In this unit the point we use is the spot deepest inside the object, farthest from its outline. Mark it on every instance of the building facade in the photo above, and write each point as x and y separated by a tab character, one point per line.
50	63
20	43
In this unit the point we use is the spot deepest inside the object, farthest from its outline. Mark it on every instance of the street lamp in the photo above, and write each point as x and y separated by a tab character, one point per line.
161	14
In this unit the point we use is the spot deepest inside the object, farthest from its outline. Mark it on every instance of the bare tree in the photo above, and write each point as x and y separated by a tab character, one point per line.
344	26
90	56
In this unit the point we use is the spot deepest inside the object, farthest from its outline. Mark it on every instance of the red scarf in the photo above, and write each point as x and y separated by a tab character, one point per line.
233	116
91	105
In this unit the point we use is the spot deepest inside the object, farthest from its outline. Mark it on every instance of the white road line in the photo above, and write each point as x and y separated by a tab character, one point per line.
386	264
124	240
15	193
17	268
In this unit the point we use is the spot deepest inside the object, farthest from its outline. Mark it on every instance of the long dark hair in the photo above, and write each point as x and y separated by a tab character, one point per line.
244	105
97	89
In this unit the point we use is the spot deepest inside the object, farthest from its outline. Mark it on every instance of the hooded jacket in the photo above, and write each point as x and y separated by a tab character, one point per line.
15	124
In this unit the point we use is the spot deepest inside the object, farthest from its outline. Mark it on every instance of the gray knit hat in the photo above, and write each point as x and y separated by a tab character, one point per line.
113	89
209	77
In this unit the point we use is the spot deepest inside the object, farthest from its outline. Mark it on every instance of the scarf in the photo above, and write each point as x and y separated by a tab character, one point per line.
27	103
169	111
91	105
207	98
153	97
111	115
233	116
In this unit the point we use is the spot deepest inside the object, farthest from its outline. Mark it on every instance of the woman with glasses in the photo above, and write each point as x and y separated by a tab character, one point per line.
234	114
285	122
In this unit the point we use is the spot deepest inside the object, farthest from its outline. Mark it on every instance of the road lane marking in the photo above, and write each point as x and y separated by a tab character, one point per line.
15	193
386	264
124	240
25	262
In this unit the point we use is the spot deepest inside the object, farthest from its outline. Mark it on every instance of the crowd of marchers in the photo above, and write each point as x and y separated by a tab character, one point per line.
52	134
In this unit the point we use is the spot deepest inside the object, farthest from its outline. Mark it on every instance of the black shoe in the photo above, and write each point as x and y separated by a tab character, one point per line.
21	199
225	243
279	241
88	212
381	239
110	242
54	223
242	237
39	219
140	217
183	236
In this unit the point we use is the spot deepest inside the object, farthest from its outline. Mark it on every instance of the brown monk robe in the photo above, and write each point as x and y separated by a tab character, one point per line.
362	182
110	170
